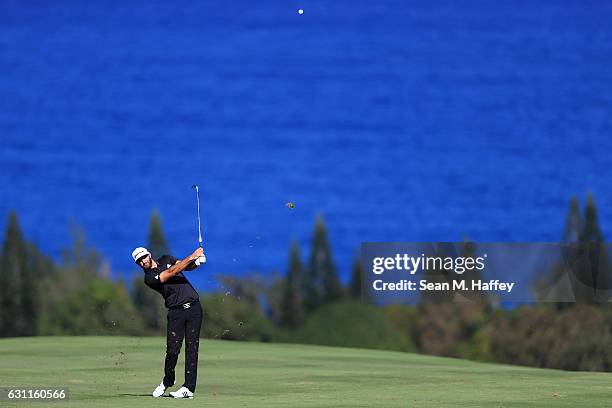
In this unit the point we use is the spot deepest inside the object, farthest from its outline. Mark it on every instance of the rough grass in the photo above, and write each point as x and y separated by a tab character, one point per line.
122	371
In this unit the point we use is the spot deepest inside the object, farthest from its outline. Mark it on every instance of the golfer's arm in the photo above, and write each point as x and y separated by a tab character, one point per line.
174	269
189	267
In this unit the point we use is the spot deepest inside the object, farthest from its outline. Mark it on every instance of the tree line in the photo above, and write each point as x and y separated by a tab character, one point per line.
309	303
76	295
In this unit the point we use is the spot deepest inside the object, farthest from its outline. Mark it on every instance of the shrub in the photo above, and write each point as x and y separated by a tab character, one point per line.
351	324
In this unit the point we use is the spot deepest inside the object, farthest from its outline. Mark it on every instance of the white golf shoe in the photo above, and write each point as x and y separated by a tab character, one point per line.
160	390
182	392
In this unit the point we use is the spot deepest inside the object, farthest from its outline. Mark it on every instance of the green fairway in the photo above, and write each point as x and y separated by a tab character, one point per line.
122	371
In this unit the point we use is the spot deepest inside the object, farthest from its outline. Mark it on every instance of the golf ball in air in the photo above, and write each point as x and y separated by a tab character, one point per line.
300	11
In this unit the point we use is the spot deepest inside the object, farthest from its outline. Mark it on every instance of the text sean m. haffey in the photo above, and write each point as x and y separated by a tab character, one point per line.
480	285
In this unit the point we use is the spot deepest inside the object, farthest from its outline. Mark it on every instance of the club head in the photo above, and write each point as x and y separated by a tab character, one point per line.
195	186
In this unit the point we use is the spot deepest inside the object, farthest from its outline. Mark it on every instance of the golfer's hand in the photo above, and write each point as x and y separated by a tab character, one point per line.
197	253
200	261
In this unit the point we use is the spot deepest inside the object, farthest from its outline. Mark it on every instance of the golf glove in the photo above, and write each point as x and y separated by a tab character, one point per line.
201	260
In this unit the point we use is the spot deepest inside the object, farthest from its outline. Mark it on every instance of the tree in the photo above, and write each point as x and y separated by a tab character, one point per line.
322	284
249	287
590	230
80	259
555	285
17	313
583	273
356	289
42	271
157	243
592	271
80	301
148	302
292	312
468	250
448	319
573	223
436	274
273	297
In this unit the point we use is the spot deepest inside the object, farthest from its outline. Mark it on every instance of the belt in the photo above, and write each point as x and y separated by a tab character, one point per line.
185	305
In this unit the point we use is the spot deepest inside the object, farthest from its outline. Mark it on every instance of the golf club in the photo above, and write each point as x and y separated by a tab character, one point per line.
202	259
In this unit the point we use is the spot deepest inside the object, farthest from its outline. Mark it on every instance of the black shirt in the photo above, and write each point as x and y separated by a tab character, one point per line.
177	290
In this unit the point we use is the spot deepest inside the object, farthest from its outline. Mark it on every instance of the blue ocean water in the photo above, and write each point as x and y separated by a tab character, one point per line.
395	120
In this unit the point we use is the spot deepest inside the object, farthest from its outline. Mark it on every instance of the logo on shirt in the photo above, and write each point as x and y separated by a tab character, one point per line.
168	265
157	277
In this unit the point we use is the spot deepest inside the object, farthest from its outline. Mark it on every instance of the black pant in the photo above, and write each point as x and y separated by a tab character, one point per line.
183	323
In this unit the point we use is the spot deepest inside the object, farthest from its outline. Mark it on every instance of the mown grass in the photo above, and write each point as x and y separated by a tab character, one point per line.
122	371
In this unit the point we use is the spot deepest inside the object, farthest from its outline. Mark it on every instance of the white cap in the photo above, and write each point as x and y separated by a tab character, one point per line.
139	253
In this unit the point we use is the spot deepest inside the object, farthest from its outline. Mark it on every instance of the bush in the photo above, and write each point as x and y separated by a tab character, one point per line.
447	329
577	338
351	324
97	307
405	319
226	317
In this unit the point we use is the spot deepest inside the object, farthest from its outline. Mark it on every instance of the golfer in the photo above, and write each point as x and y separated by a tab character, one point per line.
184	313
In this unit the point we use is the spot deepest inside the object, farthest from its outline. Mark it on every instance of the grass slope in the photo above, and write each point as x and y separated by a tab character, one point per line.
122	371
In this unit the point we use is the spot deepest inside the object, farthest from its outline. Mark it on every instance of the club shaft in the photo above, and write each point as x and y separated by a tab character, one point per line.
199	222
